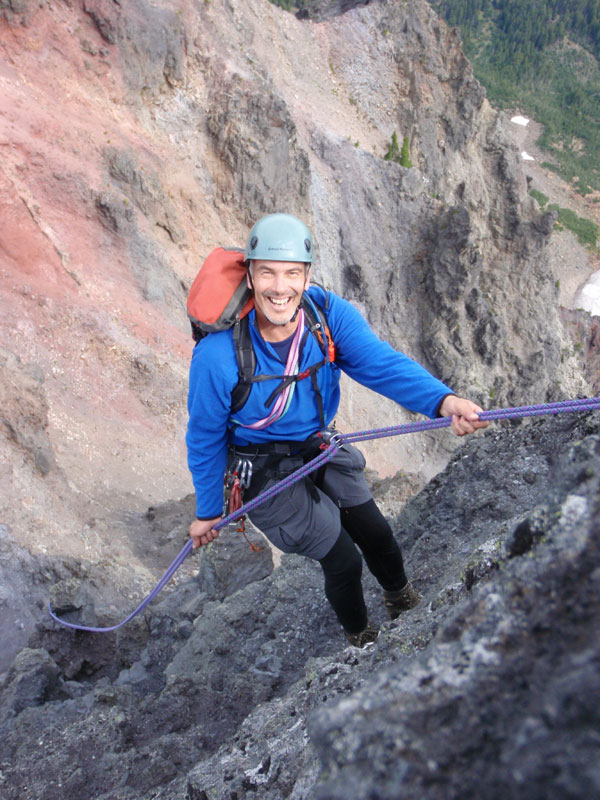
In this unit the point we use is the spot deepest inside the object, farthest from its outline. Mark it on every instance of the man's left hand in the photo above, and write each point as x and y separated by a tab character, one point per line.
464	413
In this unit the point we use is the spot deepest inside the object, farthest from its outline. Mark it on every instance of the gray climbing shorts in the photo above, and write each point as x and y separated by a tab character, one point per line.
305	519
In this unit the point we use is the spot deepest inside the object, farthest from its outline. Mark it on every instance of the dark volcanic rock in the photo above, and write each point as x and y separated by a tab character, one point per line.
318	10
496	704
24	409
16	12
151	41
21	576
255	138
585	333
485	688
482	689
204	667
142	187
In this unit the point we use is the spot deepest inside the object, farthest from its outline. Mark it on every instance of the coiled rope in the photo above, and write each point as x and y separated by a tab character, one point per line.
337	441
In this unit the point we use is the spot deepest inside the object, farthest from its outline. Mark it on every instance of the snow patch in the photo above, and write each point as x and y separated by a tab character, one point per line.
518	120
589	297
526	157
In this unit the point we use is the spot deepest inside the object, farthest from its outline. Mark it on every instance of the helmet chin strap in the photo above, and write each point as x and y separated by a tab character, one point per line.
249	276
293	319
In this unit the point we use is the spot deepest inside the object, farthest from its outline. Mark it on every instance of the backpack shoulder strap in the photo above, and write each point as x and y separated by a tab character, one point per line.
246	362
317	324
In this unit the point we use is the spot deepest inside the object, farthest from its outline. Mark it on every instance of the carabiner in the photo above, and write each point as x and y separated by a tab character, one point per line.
331	436
245	473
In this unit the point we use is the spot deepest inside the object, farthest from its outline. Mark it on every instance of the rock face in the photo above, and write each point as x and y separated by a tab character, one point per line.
135	137
319	10
585	332
177	128
487	687
24	415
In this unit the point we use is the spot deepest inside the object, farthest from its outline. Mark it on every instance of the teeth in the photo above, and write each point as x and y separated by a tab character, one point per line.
279	302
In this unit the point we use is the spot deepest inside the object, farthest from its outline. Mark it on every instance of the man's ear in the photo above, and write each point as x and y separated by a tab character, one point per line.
249	283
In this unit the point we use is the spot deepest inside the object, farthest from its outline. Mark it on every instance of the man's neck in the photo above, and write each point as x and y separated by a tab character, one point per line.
275	333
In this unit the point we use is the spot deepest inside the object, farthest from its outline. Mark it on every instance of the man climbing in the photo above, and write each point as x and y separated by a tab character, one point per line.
302	337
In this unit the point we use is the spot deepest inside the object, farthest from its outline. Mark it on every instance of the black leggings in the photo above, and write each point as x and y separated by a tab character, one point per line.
366	527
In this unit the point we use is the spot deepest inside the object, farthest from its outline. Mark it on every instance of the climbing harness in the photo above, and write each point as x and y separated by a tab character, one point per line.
331	445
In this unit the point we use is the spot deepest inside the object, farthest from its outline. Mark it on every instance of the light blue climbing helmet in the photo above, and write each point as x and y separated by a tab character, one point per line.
279	237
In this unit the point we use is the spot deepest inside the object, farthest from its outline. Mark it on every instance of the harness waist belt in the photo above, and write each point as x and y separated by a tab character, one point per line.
282	448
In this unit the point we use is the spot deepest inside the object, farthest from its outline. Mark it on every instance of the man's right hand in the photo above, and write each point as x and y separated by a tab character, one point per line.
202	531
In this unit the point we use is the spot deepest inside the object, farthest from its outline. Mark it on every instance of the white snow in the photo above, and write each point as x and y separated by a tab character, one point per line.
526	157
518	120
589	297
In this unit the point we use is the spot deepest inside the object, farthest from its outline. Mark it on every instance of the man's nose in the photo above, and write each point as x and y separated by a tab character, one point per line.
280	284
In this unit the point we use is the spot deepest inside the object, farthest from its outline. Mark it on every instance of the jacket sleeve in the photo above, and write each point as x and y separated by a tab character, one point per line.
375	364
213	375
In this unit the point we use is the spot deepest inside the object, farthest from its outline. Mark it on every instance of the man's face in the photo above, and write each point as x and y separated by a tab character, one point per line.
278	287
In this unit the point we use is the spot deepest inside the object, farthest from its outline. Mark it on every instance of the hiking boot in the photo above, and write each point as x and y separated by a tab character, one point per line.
366	636
403	600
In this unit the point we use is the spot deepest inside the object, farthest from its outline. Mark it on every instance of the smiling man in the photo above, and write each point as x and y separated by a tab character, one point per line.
301	337
278	287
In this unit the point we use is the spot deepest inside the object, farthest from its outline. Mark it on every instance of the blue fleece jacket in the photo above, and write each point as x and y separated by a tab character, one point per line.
214	374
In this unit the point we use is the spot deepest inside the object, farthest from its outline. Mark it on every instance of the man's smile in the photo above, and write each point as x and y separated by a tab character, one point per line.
279	302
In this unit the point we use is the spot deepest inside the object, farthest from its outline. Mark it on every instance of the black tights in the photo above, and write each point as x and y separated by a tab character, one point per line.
366	527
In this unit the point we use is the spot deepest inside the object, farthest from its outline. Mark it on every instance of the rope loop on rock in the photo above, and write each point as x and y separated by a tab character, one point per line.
338	441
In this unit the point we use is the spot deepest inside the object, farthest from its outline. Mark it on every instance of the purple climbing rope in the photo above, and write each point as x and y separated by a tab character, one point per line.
177	562
337	441
562	407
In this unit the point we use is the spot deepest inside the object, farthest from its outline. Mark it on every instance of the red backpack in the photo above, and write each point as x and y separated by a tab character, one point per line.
219	294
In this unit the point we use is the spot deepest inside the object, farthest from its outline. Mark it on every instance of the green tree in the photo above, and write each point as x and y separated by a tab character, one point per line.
393	152
522	52
405	154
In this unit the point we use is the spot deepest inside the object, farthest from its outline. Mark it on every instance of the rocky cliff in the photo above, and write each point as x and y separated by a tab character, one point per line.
237	682
135	137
